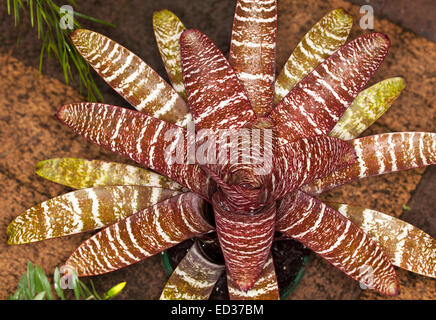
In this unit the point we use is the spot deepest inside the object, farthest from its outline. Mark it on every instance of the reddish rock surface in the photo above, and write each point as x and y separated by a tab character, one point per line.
30	133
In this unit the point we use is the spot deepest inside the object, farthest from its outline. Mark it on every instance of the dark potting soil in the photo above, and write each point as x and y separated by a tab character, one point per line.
288	256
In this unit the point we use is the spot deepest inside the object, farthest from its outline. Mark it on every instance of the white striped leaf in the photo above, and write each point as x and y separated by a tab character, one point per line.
407	246
253	51
245	240
381	154
82	173
131	77
265	288
148	141
337	240
216	97
82	210
325	37
141	235
193	279
316	103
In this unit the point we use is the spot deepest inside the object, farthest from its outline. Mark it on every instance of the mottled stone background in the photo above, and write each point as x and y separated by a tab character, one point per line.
29	132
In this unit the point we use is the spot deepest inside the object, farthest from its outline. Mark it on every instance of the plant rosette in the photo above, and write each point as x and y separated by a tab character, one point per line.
295	136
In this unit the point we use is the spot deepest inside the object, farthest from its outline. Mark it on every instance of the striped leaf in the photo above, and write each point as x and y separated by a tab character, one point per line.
131	77
146	140
245	240
167	30
300	162
216	98
248	186
406	246
81	173
337	240
368	106
253	51
325	37
315	104
380	154
141	235
193	279
82	210
265	288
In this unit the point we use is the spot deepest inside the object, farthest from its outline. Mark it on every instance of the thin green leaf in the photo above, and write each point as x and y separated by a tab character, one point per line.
31	12
43	283
87	293
95	291
76	287
84	16
40	296
31	278
57	284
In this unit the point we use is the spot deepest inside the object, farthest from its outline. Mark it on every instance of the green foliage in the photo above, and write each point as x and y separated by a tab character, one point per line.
34	285
55	40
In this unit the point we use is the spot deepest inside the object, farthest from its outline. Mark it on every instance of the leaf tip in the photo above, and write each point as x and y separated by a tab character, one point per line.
76	35
393	289
65	113
342	16
161	15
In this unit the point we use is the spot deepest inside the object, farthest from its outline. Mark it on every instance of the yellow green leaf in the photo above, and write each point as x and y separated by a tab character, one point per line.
368	106
329	34
167	30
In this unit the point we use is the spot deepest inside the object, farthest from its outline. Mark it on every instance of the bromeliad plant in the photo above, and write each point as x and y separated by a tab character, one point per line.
315	109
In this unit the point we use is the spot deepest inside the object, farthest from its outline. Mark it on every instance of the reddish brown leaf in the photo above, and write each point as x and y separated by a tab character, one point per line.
300	162
265	288
245	240
380	154
338	240
217	99
142	235
253	50
315	104
137	136
131	77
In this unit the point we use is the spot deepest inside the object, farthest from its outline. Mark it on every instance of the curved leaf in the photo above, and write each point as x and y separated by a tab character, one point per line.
146	140
167	30
216	98
141	235
368	106
81	173
407	246
300	162
265	288
337	240
380	154
316	103
245	240
82	210
131	77
193	279
253	51
325	37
